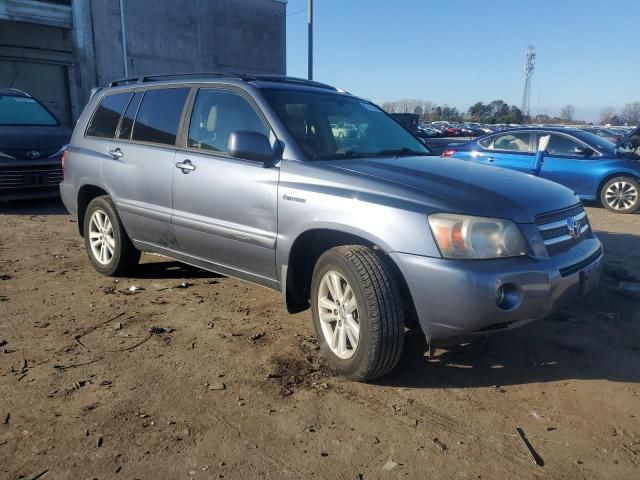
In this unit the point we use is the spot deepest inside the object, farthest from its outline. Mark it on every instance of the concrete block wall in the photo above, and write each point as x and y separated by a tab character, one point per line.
175	36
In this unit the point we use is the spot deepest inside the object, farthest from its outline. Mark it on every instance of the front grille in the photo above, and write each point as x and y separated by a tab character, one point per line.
30	177
558	215
21	153
555	232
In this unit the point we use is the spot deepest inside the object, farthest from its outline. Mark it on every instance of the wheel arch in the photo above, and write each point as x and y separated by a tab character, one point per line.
618	173
305	251
86	193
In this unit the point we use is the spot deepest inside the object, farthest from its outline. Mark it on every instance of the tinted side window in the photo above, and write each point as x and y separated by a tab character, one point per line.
159	114
510	142
561	145
106	118
216	114
129	115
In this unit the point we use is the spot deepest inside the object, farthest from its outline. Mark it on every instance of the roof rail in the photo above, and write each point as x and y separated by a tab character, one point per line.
152	78
124	81
242	76
295	80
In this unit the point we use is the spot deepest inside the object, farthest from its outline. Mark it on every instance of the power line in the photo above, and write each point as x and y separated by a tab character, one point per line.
296	12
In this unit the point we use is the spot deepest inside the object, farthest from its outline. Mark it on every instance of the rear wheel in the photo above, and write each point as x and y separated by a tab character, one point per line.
357	312
109	248
621	195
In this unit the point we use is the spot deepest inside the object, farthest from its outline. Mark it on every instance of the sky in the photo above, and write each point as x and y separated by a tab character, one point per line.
459	52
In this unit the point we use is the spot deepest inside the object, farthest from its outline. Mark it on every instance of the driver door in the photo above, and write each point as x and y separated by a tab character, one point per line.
224	208
564	166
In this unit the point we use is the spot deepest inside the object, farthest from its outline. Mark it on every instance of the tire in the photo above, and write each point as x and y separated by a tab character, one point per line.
621	195
121	257
378	313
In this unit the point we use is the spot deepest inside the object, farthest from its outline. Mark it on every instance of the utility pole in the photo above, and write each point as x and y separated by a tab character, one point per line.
310	37
125	57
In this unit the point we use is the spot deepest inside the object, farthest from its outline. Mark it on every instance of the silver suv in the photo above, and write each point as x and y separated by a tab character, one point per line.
245	176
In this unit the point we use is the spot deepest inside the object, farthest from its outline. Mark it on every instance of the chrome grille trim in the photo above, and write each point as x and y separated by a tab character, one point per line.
560	223
565	238
554	230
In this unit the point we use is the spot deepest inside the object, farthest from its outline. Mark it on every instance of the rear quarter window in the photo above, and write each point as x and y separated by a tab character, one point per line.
105	120
159	115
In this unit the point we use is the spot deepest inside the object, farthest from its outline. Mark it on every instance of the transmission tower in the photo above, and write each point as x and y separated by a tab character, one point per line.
529	66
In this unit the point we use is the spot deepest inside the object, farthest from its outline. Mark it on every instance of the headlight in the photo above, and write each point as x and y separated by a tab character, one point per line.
461	236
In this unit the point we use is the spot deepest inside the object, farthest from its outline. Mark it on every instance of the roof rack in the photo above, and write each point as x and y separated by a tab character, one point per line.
242	76
152	78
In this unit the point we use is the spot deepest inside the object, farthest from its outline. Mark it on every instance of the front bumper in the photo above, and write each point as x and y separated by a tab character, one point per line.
30	179
456	299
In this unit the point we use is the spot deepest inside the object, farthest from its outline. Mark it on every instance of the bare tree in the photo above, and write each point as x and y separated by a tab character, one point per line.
607	114
568	113
631	113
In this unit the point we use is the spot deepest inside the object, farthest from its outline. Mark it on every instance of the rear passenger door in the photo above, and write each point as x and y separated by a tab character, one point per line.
508	150
224	207
140	163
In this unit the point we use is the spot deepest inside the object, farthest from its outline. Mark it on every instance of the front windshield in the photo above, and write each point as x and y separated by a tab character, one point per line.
331	125
15	110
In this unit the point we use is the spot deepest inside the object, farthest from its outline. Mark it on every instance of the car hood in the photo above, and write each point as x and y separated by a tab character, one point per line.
16	141
466	187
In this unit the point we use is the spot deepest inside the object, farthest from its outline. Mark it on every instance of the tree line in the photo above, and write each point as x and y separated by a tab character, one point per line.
498	111
629	114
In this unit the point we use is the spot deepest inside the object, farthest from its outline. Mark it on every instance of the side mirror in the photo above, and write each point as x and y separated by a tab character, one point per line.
584	151
250	146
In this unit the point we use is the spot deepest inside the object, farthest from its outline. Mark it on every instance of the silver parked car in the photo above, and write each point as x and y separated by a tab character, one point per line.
242	175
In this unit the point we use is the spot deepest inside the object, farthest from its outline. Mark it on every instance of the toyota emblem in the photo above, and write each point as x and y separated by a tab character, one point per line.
33	154
573	225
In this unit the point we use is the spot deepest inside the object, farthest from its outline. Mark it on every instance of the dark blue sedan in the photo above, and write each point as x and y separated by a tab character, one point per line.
591	166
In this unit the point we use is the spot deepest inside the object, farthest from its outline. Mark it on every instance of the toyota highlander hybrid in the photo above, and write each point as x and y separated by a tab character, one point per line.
246	176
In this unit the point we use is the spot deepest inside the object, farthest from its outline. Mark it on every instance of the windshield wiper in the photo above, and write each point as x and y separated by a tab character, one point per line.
339	155
404	151
399	152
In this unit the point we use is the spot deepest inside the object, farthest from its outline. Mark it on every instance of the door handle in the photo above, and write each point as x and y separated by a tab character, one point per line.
491	159
116	153
186	166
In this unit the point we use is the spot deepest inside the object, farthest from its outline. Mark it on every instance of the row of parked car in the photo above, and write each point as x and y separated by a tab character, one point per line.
440	129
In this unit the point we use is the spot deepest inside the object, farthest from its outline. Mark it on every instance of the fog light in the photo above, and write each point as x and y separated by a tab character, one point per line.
508	296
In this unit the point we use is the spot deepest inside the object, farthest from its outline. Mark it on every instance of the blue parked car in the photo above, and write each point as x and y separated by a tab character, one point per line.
593	167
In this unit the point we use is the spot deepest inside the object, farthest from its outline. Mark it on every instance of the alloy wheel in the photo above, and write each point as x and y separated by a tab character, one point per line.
621	195
339	316
101	238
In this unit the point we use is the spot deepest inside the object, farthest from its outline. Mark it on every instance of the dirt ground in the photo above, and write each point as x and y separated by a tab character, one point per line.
231	386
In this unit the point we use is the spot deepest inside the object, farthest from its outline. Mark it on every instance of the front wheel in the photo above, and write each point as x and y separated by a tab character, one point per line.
621	195
357	311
